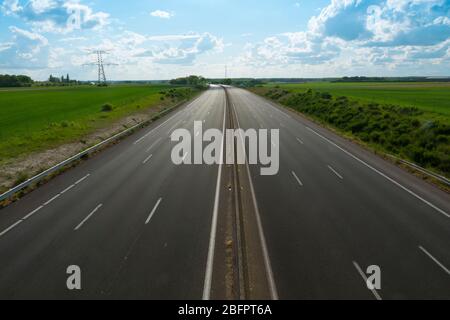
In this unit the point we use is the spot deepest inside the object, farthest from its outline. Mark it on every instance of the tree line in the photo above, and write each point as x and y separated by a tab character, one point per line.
7	80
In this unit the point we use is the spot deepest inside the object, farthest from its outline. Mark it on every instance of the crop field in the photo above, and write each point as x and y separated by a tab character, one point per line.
427	96
35	119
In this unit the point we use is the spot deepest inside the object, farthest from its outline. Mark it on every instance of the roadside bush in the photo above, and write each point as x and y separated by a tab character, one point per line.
395	129
107	107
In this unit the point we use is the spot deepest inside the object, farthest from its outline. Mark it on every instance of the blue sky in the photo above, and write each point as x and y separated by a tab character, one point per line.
163	39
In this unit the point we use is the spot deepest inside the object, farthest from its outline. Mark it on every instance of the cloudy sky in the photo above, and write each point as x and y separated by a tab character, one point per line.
162	39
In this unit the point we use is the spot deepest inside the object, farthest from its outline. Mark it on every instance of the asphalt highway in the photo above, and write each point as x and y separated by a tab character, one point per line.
141	227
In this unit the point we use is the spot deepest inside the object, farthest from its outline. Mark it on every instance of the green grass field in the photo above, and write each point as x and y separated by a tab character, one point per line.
35	119
430	97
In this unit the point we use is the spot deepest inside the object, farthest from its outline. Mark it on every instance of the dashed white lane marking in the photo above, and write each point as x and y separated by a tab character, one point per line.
52	199
382	174
435	260
32	213
335	172
363	275
297	178
300	140
88	217
150	132
82	179
147	159
153	211
68	188
10	228
153	144
29	215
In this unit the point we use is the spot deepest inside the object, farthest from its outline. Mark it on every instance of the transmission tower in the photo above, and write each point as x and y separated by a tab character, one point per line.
100	65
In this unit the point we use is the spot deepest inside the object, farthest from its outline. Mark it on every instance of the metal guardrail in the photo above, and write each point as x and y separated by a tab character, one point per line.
82	154
423	170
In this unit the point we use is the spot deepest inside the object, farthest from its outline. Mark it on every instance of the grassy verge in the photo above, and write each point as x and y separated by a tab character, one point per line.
407	132
33	120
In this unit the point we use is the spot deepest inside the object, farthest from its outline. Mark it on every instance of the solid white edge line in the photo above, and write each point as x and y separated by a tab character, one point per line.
383	175
212	238
435	260
88	217
10	228
268	265
153	211
335	172
297	178
360	271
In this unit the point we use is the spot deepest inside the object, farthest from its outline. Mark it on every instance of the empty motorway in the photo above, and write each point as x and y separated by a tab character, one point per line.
141	227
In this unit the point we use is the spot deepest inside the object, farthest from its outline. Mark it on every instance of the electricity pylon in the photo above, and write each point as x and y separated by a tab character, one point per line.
100	65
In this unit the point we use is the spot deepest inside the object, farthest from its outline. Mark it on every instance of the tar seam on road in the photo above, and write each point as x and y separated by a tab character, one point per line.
363	275
212	239
382	174
268	265
435	260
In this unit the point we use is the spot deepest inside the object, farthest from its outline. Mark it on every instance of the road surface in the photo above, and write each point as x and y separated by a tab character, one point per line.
140	227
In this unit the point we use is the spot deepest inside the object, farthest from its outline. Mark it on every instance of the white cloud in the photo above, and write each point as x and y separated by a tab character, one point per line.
390	33
56	16
162	14
27	50
10	7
